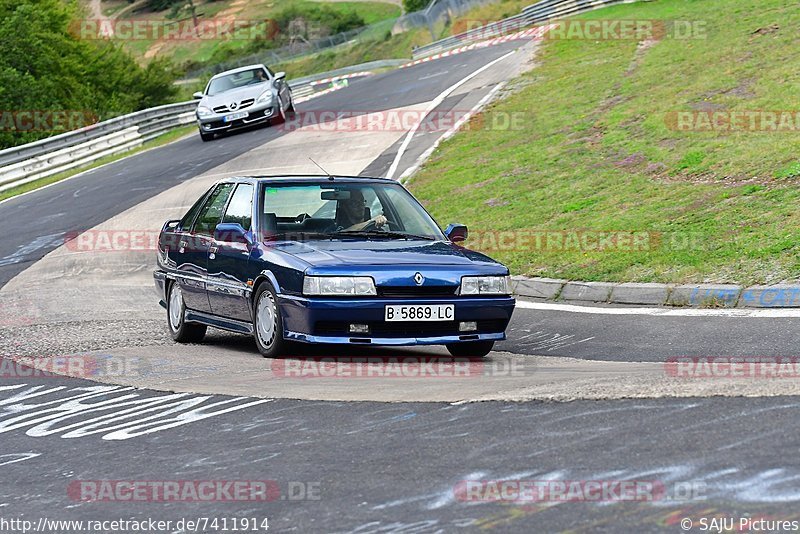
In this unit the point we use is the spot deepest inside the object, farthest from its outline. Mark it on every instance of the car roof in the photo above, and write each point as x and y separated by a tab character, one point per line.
307	178
239	69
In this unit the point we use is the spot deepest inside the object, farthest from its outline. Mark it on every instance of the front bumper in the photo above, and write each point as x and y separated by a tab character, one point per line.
160	280
326	320
256	114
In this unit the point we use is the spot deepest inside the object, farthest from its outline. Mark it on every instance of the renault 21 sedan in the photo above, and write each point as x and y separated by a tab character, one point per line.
337	260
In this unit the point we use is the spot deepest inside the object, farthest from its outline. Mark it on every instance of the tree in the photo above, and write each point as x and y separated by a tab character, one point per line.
415	5
46	69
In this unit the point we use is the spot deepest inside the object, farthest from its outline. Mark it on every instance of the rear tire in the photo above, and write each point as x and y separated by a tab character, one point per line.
267	322
181	331
206	137
470	349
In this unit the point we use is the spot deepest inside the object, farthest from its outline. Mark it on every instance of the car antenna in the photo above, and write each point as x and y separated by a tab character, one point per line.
330	176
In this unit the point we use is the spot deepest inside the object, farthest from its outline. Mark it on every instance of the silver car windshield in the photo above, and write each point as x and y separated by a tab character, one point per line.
377	210
236	80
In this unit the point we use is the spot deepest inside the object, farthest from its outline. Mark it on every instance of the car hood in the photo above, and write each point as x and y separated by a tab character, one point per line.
235	95
336	255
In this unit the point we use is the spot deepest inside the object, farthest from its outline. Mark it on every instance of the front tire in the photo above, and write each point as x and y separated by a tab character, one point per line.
470	349
181	331
267	322
206	137
290	107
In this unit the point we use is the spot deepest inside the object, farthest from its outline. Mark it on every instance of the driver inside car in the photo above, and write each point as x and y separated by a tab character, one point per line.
351	214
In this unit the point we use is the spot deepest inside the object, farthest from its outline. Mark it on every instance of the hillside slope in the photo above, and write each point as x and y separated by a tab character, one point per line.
613	135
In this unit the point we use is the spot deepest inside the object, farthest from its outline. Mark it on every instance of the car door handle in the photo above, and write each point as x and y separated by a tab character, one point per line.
212	252
183	245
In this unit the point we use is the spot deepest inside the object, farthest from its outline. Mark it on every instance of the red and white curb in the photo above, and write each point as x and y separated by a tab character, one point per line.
333	80
530	33
342	77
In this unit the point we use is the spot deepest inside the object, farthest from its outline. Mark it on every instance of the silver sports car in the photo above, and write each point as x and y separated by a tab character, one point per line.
242	97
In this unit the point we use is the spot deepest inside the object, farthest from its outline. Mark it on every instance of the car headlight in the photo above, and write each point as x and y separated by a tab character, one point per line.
485	285
265	97
203	111
339	285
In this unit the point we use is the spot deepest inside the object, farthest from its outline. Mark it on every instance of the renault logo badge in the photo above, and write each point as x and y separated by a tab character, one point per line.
418	278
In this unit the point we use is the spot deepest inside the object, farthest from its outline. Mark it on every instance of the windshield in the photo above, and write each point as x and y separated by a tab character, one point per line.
380	211
236	80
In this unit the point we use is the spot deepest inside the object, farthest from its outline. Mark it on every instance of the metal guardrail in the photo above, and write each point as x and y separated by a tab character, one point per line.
53	155
494	29
550	9
59	153
379	64
36	148
539	12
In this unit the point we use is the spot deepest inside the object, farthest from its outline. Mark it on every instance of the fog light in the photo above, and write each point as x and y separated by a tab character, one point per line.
467	326
359	329
207	126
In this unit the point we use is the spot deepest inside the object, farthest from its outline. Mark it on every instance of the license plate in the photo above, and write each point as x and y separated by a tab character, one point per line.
234	116
410	312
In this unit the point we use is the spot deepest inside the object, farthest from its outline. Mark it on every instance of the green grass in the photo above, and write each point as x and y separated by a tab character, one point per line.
161	140
595	153
389	47
382	45
202	51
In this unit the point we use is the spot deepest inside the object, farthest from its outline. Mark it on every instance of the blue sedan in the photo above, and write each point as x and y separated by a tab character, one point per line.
336	260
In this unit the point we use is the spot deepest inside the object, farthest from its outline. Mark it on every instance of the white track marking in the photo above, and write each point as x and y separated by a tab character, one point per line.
449	133
434	103
663	312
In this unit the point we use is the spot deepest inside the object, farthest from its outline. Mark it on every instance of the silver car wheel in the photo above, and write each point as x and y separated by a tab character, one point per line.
175	307
266	319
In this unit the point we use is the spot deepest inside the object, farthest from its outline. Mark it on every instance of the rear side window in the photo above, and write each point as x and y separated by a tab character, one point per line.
211	212
240	208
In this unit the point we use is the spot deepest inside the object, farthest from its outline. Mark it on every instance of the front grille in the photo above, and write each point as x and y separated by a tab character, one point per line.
243	104
409	329
416	291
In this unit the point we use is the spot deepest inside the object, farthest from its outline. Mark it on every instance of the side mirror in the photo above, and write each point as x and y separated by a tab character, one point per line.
198	95
456	233
231	233
280	76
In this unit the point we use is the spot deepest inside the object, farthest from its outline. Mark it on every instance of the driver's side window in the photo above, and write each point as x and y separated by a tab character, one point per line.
211	213
372	201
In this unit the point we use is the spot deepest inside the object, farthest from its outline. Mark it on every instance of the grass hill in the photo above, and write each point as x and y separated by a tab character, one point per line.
617	135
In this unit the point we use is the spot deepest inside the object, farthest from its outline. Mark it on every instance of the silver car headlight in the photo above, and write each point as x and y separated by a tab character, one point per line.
485	285
203	111
339	285
265	97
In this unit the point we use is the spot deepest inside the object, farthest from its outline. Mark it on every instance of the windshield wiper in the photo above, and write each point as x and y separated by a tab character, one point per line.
382	233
